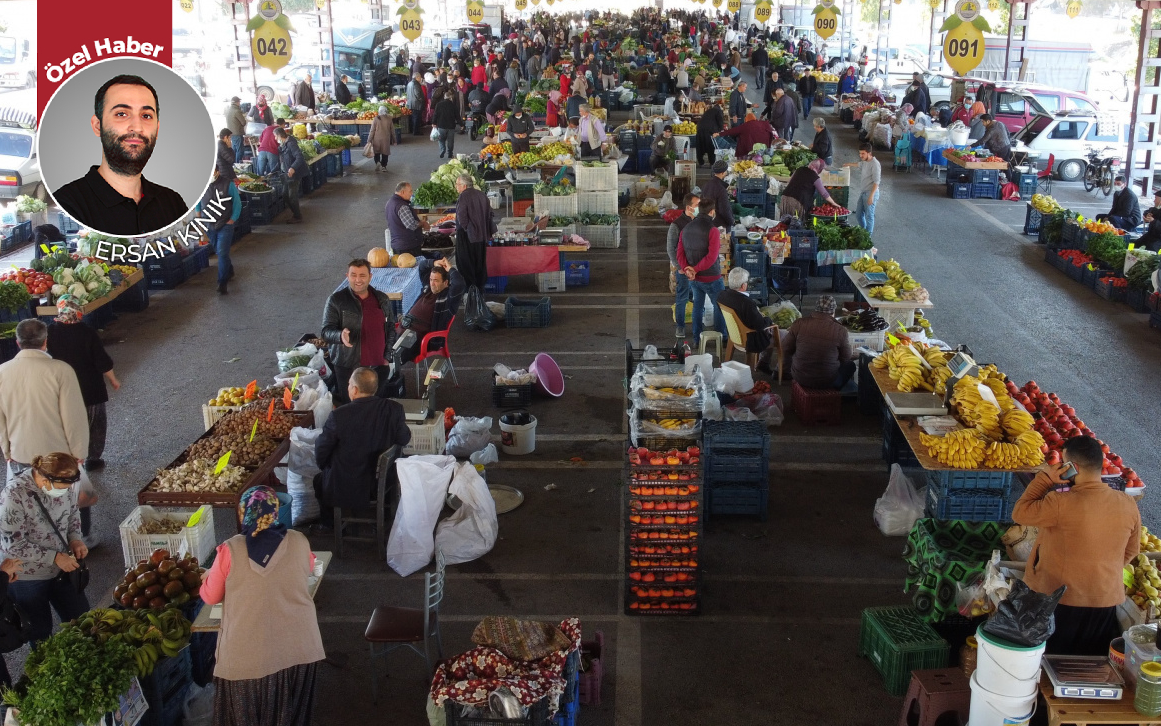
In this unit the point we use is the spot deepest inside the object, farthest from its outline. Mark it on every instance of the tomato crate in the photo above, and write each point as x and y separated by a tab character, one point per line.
197	540
1089	278
969	505
737	500
512	396
648	605
897	641
1106	289
965	479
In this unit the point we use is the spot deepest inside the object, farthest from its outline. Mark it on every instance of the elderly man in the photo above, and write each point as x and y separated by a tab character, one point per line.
416	101
236	123
348	448
475	225
302	94
343	91
591	132
783	114
359	325
735	298
406	228
738	104
1126	210
819	348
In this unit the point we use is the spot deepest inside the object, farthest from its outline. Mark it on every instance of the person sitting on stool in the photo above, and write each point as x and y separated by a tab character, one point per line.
819	348
347	451
434	309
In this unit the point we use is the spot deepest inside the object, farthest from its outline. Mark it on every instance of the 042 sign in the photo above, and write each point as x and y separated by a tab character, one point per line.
270	41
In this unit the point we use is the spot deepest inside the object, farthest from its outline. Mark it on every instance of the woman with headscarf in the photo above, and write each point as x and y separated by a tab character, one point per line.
849	83
260	112
552	110
269	645
751	131
977	110
381	138
798	195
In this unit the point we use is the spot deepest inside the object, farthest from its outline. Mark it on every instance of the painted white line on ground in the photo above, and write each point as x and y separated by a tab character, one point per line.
555	353
628	640
791	439
609	367
620	575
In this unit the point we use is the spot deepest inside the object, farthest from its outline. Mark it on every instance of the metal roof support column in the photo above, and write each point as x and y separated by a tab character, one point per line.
1145	120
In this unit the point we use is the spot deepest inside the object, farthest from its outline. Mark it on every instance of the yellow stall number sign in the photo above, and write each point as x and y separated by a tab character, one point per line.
410	22
762	12
186	5
733	5
521	5
475	11
826	18
963	43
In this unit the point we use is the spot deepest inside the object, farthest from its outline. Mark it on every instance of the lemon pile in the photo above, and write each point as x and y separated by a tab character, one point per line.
1146	588
235	396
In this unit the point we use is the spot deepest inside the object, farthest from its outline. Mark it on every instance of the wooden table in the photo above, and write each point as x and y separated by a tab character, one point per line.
128	282
951	158
209	618
1087	711
902	311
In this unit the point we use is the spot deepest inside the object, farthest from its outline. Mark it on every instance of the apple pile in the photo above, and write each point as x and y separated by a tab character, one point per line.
641	456
1059	422
159	581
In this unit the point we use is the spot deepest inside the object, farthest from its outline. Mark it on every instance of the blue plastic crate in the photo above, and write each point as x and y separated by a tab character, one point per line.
263	207
822	270
133	300
171	261
803	244
758	290
645	142
189	265
840	281
985	191
1032	218
730	467
202	254
985	176
496	284
743	500
164	689
346	157
719	436
1027	185
164	279
965	479
959	175
753	199
334	164
969	505
528	313
751	258
67	224
959	190
576	273
643	166
771	207
752	184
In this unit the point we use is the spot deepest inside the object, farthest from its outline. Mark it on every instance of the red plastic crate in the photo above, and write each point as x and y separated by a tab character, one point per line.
816	405
590	680
520	208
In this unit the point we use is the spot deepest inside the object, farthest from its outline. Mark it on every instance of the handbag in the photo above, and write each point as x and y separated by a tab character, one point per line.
369	151
78	578
14	627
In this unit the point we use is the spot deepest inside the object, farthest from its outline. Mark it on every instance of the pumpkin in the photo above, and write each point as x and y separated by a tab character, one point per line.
405	260
379	257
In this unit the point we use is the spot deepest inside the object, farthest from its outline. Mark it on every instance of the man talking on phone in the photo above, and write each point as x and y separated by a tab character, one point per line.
1087	535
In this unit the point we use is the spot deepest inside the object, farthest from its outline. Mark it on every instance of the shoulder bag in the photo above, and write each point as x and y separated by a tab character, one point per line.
78	578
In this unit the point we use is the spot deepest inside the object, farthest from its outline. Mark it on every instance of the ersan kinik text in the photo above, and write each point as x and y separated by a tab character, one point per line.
130	252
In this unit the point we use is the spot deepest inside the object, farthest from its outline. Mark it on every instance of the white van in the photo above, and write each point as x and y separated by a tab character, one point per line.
1068	135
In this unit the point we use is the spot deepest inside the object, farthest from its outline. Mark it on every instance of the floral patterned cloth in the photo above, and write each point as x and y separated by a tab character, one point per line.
470	677
26	534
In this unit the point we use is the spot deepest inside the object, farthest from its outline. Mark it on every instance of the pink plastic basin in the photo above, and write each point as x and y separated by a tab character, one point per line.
549	379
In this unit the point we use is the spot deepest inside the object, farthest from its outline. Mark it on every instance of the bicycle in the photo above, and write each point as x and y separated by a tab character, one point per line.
1100	170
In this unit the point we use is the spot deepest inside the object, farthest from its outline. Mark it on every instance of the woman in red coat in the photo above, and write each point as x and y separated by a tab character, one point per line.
553	112
752	131
565	85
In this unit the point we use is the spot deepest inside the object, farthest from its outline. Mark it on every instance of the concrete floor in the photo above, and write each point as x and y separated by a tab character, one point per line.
776	642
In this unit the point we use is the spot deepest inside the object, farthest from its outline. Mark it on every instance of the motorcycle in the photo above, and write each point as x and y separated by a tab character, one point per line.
475	123
1100	170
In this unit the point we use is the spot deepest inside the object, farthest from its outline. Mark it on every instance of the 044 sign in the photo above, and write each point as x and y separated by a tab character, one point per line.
963	44
270	41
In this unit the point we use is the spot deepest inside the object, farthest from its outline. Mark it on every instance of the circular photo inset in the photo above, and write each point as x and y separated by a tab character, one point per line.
126	147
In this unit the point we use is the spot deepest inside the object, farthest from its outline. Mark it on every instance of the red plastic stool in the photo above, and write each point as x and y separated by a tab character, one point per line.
816	405
590	679
934	693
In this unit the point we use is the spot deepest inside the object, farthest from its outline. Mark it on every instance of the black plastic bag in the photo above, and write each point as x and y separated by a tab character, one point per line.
1025	617
477	316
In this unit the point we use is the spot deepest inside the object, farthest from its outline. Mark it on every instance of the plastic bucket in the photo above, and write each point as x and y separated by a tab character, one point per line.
958	135
994	709
1136	654
549	379
518	433
284	511
1007	669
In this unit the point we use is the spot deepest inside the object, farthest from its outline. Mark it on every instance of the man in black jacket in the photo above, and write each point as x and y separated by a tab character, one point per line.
715	191
1151	240
358	325
445	118
738	104
822	146
736	298
1126	211
807	85
475	225
347	451
295	168
436	307
761	61
520	128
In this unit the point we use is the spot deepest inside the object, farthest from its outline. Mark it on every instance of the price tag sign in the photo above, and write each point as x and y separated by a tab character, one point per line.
254	428
251	389
294	383
270	410
892	339
197	516
286	400
222	462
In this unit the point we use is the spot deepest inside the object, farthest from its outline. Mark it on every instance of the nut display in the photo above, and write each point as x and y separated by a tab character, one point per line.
246	452
197	475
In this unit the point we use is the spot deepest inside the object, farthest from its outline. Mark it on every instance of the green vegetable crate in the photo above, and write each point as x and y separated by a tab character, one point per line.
897	641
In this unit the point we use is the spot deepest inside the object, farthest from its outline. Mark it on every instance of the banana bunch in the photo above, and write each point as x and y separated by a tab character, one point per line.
674	423
1000	455
1045	204
1031	445
1015	422
975	411
153	635
745	164
677	391
865	264
905	368
939	378
962	449
886	293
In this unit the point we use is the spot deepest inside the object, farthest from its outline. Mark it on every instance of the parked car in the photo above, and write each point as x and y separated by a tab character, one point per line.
19	166
1067	135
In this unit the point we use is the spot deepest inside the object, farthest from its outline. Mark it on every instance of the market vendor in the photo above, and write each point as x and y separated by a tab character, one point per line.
520	128
735	298
1086	536
711	123
663	146
751	131
1151	240
1126	211
496	108
819	348
436	306
343	91
849	83
738	105
822	146
269	645
995	138
359	325
591	133
260	112
475	225
715	191
405	226
805	182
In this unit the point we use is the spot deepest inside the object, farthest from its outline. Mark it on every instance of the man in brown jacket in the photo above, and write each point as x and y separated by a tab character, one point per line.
1087	535
819	348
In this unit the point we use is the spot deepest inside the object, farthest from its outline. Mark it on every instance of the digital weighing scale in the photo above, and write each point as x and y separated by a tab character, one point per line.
417	410
915	404
1083	676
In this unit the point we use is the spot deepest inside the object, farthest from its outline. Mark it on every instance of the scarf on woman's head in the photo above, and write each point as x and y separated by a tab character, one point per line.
258	510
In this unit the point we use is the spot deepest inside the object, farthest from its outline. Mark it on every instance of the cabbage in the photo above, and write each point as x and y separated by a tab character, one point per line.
58	290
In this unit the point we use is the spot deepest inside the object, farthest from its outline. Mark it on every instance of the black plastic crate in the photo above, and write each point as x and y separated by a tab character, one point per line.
28	310
512	396
754	200
520	313
66	224
959	175
870	397
318	173
719	436
171	261
729	467
644	142
164	279
8	349
752	258
758	290
1032	218
537	716
1137	300
189	265
165	689
263	208
133	300
743	500
959	190
203	656
17	236
334	165
985	191
752	184
985	176
840	281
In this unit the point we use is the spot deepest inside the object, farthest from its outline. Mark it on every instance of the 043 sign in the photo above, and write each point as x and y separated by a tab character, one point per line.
410	22
963	44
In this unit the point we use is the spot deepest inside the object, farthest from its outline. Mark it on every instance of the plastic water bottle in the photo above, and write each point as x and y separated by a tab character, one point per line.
1148	699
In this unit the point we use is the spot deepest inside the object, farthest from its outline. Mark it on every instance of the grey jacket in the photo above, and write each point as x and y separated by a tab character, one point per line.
235	119
345	310
474	216
414	95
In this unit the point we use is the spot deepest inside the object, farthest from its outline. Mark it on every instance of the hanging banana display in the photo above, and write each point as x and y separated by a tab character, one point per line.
825	18
963	43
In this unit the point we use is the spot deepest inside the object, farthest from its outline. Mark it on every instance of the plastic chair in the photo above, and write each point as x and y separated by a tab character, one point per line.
393	628
382	471
739	334
933	694
1044	176
425	352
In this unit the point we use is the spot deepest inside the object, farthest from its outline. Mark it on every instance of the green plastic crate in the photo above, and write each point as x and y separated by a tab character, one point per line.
897	641
521	192
941	553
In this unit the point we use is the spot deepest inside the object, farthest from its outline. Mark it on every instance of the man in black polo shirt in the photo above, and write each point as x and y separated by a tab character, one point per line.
114	197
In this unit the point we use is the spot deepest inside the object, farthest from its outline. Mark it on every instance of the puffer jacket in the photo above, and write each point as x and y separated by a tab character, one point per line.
345	310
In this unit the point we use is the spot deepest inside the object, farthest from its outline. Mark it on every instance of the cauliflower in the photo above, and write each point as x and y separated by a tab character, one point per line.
92	286
78	289
58	290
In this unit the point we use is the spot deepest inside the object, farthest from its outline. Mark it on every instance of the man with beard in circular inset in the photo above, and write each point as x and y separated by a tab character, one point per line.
114	197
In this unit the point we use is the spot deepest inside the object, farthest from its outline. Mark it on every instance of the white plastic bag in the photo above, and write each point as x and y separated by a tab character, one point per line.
307	378
423	483
705	361
301	468
765	407
322	408
468	436
471	532
899	507
725	380
198	709
484	456
745	379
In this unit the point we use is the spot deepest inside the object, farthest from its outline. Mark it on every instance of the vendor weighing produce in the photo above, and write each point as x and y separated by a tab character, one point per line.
520	128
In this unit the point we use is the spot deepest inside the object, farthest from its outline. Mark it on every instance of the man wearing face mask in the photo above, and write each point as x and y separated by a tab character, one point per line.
1126	211
520	127
1088	533
115	197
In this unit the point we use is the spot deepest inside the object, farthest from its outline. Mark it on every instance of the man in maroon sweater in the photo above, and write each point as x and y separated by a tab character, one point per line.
698	252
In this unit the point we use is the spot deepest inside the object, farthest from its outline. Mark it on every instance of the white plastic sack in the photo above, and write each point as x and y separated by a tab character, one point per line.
881	136
725	380
485	456
899	507
301	468
712	408
322	408
307	377
745	379
306	349
468	436
705	361
423	483
471	532
198	709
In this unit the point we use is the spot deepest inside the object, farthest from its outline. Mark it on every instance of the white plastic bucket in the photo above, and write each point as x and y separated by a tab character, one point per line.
993	709
958	133
1005	668
494	199
517	438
